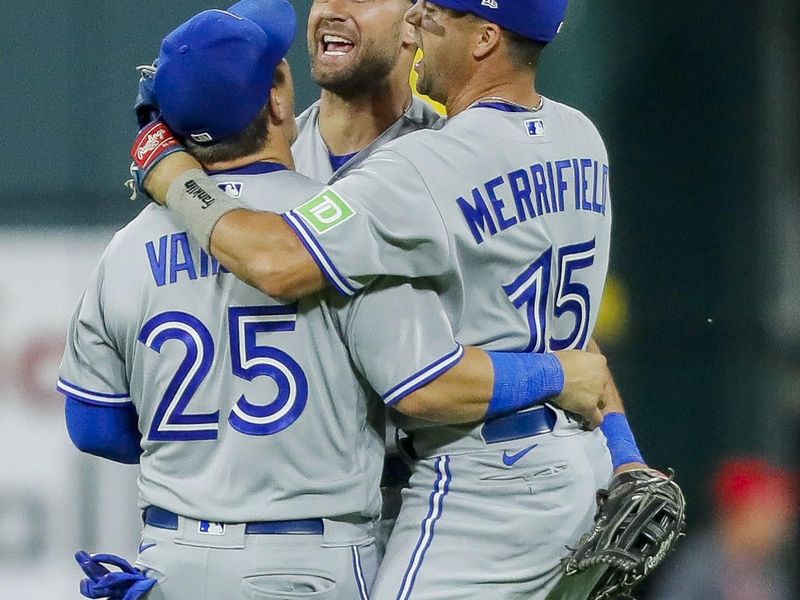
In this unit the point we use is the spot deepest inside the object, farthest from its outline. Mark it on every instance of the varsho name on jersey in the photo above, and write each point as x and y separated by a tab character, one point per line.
172	255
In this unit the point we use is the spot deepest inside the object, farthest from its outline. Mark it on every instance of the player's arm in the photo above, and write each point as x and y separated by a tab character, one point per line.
484	385
258	247
110	432
401	341
100	416
625	454
379	220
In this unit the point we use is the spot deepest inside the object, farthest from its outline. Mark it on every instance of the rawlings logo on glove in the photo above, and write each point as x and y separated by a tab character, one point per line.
151	144
640	518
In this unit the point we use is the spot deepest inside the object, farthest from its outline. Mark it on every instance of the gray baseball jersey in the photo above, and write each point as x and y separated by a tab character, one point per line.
312	158
311	155
249	408
508	211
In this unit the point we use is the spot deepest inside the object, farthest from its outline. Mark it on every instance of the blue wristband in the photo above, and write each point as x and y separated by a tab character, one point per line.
621	443
522	380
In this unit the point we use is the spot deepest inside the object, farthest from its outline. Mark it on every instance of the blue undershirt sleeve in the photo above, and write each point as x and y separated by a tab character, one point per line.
110	432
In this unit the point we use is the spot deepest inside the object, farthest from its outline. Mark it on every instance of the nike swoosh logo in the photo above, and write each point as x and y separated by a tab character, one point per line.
143	546
510	459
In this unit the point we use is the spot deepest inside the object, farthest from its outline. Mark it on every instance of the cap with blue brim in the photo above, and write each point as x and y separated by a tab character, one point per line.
538	20
215	71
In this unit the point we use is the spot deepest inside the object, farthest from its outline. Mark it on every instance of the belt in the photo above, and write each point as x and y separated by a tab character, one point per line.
538	420
434	441
164	519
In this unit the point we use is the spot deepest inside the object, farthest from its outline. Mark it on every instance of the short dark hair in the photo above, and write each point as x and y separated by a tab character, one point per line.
248	141
523	51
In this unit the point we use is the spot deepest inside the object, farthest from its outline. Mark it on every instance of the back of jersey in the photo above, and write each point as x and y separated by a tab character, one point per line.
528	216
249	407
524	197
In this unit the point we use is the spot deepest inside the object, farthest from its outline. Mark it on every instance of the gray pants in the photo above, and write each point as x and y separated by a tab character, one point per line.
190	565
471	526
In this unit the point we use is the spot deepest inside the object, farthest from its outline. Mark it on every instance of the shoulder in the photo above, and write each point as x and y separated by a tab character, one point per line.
152	221
571	116
278	191
308	116
422	114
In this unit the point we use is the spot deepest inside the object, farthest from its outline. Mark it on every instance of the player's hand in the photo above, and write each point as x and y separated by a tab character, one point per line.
153	144
129	583
586	381
145	107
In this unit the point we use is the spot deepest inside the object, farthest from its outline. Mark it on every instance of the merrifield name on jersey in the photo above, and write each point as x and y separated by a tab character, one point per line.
172	257
534	191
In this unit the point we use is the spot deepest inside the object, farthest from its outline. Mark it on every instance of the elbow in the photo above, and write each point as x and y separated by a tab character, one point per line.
420	404
91	443
109	433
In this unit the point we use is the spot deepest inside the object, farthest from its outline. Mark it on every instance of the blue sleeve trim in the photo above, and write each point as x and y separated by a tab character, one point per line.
423	377
110	432
90	396
319	255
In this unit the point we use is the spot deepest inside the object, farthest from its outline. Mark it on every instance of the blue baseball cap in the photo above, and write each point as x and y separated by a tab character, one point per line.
538	20
216	70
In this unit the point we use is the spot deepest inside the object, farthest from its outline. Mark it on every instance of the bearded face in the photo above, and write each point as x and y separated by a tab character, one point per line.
353	45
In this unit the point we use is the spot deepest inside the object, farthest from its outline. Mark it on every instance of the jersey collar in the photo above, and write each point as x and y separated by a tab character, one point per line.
256	168
506	105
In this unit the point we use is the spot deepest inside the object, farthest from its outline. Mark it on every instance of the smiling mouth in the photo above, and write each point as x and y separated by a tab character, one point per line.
335	45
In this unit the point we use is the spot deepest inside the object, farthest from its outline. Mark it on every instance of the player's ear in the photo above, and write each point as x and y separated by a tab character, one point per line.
281	97
487	39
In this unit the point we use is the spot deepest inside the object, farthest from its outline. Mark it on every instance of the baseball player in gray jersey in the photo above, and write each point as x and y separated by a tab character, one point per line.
507	210
361	54
261	449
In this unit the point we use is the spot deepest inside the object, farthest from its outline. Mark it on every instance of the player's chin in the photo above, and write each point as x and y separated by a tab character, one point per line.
425	87
334	73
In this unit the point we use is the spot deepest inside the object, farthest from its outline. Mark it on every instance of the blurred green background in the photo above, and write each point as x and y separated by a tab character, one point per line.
698	104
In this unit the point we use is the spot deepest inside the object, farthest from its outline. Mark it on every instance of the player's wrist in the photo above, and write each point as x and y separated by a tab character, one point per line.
620	440
197	203
523	380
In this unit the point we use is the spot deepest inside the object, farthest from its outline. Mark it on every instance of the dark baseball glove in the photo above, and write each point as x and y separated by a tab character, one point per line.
639	519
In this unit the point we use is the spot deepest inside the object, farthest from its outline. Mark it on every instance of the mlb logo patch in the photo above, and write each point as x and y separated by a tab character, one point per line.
211	528
489	3
231	188
535	127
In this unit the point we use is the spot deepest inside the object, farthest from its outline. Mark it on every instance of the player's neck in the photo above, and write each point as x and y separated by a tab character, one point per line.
350	124
276	153
510	86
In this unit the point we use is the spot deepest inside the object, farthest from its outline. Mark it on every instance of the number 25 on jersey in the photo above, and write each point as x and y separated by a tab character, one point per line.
249	360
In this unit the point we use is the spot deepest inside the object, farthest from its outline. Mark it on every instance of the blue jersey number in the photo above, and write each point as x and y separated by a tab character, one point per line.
170	421
532	289
249	359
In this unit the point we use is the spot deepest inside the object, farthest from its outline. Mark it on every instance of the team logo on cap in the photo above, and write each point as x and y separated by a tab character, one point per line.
489	3
201	137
